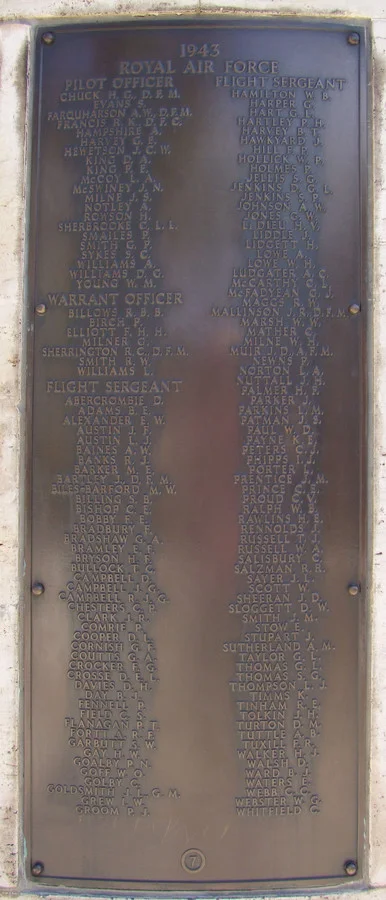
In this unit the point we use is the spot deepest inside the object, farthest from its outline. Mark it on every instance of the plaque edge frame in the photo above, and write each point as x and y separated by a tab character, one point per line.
205	19
31	192
367	448
301	886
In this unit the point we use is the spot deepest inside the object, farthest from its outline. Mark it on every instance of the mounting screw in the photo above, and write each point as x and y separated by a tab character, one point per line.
353	39
350	867
41	309
48	38
38	589
354	309
354	589
37	868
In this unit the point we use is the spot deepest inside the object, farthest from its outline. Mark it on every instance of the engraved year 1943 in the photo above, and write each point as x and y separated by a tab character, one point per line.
205	50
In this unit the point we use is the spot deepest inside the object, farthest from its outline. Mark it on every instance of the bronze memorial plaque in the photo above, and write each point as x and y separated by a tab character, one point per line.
197	571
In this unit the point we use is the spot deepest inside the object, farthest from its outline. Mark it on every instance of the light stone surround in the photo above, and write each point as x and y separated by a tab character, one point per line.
16	20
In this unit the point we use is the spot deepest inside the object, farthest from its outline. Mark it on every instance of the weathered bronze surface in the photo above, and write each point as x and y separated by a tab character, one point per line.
197	455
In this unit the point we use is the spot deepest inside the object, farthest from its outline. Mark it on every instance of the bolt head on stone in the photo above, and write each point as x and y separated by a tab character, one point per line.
350	867
48	38
37	868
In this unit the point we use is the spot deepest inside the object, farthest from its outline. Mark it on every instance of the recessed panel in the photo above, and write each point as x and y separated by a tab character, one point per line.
197	566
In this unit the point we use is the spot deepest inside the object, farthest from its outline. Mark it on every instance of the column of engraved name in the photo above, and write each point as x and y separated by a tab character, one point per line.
113	403
281	297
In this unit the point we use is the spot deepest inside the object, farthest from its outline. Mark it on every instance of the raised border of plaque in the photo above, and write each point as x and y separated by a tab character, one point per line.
195	365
